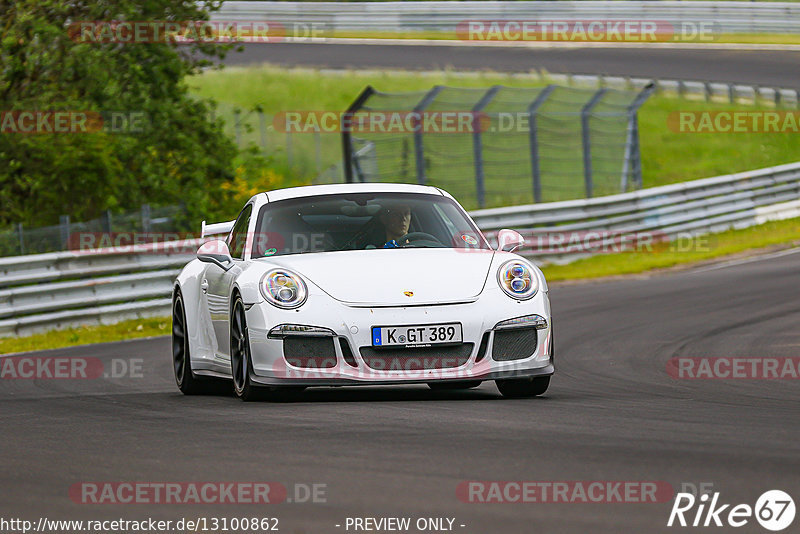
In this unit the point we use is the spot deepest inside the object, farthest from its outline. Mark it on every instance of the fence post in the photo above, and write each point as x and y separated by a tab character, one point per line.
145	218
633	158
347	136
263	127
106	221
477	143
63	223
318	150
21	235
587	143
533	140
419	152
237	127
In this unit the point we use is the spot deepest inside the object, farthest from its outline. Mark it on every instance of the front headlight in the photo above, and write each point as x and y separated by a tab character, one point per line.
518	280
283	289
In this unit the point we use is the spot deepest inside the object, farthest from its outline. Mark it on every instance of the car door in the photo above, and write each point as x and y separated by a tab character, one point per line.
218	284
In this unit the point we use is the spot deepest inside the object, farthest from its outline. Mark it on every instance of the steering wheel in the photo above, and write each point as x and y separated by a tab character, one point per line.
421	239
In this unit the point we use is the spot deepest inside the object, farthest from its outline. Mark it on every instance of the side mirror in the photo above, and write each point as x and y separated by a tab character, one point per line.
509	240
216	252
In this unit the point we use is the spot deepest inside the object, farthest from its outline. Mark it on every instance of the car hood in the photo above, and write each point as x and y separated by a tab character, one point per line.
385	277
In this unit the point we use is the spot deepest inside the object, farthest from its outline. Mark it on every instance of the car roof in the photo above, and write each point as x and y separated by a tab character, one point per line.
334	189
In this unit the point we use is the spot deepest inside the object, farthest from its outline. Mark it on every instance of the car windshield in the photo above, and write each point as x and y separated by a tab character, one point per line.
363	221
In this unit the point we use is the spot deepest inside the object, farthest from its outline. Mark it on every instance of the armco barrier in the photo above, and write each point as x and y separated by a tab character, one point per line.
55	290
409	17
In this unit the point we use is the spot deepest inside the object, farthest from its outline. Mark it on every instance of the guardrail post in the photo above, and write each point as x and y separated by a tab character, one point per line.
21	235
533	140
63	226
731	93
477	143
347	134
708	92
777	96
587	143
145	218
419	152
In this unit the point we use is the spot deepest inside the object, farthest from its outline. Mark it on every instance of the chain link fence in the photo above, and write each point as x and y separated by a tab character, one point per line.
20	240
504	146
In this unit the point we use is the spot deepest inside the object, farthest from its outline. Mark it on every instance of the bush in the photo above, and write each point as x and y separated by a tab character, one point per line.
180	155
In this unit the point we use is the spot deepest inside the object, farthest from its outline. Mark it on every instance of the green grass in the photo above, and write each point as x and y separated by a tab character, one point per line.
704	248
85	335
667	156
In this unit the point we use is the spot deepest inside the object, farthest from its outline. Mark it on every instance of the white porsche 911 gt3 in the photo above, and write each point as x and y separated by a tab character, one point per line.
354	284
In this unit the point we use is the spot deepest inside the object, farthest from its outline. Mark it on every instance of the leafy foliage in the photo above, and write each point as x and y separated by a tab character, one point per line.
180	156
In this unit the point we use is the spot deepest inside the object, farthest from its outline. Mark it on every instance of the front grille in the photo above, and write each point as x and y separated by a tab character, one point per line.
514	344
417	359
309	352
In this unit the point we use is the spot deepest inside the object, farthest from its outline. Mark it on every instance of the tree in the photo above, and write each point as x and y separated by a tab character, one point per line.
174	153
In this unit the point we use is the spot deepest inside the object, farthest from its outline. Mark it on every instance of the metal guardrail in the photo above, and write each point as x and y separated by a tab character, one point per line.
60	289
56	290
404	17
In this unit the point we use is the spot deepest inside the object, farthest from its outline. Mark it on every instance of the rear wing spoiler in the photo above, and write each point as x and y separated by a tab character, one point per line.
215	228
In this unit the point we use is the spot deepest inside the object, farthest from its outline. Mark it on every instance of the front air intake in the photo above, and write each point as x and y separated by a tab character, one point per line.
309	352
514	344
417	359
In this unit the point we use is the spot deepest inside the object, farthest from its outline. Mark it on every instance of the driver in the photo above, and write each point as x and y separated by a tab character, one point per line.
396	220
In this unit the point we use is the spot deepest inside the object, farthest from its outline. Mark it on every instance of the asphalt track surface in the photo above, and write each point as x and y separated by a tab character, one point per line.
778	68
612	413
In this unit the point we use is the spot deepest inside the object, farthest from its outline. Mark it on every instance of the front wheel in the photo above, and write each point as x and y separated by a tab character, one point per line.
241	365
517	388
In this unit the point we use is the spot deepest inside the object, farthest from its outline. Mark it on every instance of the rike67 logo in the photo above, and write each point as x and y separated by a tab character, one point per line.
774	510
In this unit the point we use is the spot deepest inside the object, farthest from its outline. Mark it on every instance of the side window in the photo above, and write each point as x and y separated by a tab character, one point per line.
238	237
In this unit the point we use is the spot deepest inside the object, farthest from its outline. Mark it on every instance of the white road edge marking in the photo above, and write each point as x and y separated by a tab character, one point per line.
743	261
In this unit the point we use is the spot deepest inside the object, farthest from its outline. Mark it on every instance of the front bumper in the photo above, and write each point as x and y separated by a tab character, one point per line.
352	326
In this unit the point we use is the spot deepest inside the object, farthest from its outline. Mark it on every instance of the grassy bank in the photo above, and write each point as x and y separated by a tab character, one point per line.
703	248
667	156
86	335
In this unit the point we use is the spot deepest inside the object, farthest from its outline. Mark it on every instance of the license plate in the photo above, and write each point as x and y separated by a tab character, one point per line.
417	335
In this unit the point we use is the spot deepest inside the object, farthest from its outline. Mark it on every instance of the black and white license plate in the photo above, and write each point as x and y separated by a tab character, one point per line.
429	334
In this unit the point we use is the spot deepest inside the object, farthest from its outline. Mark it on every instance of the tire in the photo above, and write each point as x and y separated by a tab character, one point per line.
517	388
450	386
241	364
187	381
